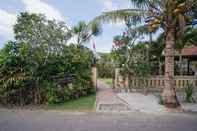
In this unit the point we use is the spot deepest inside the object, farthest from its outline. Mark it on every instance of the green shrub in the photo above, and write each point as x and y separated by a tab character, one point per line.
161	102
189	91
39	54
105	66
28	85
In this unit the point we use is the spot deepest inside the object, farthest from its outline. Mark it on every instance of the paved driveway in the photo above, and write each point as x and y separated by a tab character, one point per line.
107	99
24	120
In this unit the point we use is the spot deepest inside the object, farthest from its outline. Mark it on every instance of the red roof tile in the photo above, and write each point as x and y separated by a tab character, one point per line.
190	51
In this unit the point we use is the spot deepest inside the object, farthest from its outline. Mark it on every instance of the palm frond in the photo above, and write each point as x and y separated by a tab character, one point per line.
139	3
145	4
117	16
95	28
143	30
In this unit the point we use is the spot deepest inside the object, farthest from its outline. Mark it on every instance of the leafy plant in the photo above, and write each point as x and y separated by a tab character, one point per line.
105	65
132	58
189	91
40	53
161	102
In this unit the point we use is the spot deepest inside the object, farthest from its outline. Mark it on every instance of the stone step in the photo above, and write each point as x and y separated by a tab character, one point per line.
113	107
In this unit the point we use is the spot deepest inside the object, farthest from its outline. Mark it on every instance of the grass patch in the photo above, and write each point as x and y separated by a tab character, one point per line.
86	103
108	81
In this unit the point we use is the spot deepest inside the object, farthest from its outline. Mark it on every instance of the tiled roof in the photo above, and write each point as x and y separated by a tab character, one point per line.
189	51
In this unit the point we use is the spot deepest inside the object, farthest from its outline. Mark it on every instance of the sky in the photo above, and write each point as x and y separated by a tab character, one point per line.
69	11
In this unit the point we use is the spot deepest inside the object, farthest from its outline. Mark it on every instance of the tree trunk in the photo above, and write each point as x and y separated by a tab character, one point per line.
188	67
181	63
37	97
160	67
169	93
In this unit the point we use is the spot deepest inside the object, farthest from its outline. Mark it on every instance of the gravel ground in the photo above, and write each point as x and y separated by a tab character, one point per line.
40	120
144	103
150	103
180	95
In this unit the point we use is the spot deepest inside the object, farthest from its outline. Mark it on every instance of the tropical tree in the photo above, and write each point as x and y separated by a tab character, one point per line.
170	15
132	58
83	32
133	62
37	40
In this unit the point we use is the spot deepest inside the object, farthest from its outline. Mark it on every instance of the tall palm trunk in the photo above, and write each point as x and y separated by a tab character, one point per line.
181	63
160	66
169	93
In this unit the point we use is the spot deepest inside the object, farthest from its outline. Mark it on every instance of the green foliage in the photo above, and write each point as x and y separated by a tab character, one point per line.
189	91
132	57
12	72
161	102
108	81
16	75
105	66
139	61
29	65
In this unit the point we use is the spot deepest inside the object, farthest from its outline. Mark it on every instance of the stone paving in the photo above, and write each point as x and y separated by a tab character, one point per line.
142	103
107	100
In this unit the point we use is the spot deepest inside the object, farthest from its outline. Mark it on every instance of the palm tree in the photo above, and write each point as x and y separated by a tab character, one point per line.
172	17
83	32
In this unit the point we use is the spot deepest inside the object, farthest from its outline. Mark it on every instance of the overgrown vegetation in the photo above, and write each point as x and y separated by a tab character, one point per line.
131	57
39	67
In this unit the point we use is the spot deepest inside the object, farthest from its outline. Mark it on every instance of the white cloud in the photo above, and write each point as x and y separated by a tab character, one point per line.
7	20
38	6
114	4
108	5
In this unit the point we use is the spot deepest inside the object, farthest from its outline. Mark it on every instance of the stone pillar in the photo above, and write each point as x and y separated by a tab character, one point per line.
94	76
117	70
127	82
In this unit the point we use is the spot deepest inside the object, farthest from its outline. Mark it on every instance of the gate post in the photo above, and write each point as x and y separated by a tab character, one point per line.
94	76
117	70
